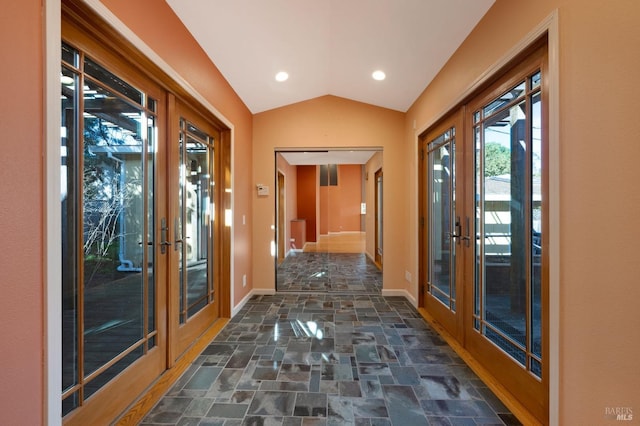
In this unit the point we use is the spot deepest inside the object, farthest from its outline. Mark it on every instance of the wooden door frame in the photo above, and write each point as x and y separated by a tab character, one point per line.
531	404
105	39
83	31
451	321
281	229
181	336
379	221
532	392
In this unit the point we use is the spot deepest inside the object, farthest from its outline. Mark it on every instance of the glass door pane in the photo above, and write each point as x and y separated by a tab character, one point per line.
508	223
115	200
445	227
109	145
198	248
444	224
193	224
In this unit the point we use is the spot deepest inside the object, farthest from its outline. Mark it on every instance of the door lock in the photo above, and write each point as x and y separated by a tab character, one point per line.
467	236
164	233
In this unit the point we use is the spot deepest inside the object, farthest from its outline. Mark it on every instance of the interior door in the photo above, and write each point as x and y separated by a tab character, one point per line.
444	223
193	227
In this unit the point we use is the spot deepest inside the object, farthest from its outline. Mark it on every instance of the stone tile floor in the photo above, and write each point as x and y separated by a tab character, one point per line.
329	359
329	272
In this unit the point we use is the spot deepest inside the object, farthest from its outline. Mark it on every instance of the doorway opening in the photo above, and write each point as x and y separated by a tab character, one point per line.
328	220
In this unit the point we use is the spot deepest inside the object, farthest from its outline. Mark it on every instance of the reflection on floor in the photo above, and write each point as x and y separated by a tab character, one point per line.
331	272
328	359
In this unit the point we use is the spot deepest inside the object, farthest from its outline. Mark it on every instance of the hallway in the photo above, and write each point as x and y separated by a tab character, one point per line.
327	359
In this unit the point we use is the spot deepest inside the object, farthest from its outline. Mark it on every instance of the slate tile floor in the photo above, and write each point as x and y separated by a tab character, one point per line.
329	272
329	359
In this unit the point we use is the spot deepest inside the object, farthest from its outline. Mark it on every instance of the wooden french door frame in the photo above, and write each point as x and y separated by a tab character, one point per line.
182	333
530	391
78	30
449	315
85	30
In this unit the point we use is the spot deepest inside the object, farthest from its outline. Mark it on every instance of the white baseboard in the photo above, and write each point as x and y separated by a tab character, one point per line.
269	292
254	292
402	293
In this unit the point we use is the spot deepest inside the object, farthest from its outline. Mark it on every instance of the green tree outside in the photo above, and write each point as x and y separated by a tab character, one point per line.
497	160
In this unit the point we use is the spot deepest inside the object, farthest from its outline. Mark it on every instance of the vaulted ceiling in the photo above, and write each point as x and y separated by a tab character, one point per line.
329	47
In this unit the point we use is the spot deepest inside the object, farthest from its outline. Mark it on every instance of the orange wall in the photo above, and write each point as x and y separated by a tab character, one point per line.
307	199
329	121
22	214
599	288
166	35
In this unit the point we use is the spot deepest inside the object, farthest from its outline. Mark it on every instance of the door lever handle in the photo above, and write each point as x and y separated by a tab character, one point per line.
458	232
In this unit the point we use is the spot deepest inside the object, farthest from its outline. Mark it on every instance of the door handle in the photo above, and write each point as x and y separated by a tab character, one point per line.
457	234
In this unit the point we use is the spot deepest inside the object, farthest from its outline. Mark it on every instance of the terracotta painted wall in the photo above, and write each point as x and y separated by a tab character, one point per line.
22	214
599	288
167	36
307	199
324	122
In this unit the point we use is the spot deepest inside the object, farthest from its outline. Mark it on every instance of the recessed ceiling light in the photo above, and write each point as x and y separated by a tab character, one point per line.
282	76
378	75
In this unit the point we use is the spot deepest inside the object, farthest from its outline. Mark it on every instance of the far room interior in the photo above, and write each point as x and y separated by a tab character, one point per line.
328	209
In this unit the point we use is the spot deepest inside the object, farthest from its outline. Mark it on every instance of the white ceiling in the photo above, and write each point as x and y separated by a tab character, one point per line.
328	157
329	47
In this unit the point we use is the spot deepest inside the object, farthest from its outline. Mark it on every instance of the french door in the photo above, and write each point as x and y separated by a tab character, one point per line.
146	216
443	202
114	262
194	224
483	243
